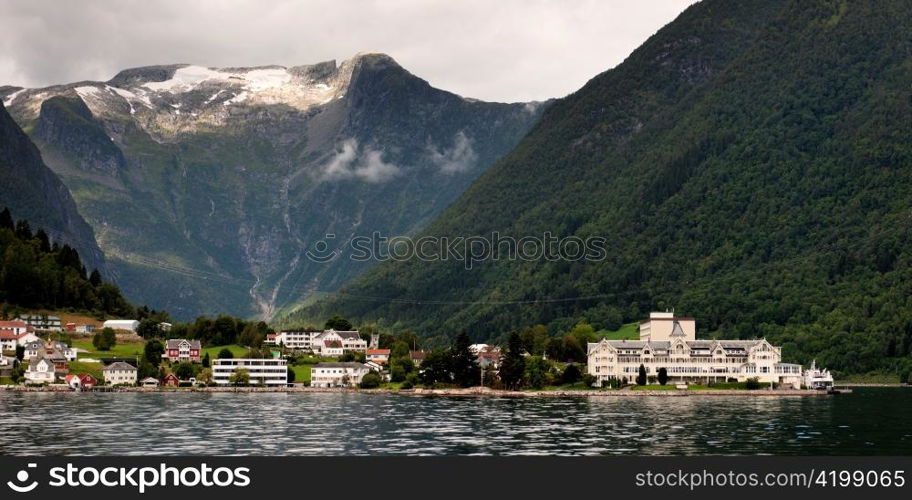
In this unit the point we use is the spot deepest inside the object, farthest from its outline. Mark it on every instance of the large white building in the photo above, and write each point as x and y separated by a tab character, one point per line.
129	325
262	371
42	322
292	339
326	343
337	374
670	343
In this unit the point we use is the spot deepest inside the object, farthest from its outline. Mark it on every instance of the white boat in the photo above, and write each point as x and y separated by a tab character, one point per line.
817	379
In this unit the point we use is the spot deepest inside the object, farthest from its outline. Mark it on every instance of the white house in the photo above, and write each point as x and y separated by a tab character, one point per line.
688	360
379	356
120	373
262	371
292	339
17	327
337	374
348	340
333	343
9	340
32	349
40	370
129	325
44	323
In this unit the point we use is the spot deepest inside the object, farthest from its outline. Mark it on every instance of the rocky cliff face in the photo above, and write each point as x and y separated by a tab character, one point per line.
207	187
33	192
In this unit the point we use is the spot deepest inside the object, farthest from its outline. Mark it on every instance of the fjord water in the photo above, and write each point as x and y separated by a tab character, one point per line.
872	421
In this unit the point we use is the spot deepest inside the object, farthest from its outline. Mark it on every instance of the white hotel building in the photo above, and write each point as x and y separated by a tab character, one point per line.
669	342
262	371
317	341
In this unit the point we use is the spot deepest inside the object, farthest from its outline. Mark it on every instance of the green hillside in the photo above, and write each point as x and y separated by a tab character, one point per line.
749	165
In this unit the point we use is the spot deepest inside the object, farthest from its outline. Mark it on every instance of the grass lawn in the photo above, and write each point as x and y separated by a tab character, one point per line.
121	350
94	369
629	331
238	351
870	378
656	387
301	372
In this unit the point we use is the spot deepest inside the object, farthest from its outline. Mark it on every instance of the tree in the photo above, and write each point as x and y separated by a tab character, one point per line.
20	352
240	377
436	367
641	376
465	364
146	369
6	220
148	328
534	339
571	374
206	361
663	376
338	323
589	380
184	371
291	376
153	352
370	380
95	278
205	376
104	340
752	384
225	353
538	372
512	364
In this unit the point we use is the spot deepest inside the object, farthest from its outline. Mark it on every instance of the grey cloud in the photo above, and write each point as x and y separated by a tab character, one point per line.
510	50
352	162
459	158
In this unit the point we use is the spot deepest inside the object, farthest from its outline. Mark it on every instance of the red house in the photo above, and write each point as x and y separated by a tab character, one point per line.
170	380
88	381
178	350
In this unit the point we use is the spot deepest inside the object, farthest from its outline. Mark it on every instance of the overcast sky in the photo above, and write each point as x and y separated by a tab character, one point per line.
500	50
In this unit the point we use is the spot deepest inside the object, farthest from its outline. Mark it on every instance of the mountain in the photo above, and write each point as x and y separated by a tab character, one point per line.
33	192
207	187
749	165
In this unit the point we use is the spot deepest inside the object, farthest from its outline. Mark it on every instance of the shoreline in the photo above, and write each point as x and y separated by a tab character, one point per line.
470	392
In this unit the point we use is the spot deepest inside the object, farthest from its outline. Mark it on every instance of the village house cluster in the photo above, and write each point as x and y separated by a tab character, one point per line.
667	349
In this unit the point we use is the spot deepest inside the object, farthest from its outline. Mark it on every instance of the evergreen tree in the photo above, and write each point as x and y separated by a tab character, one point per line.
6	220
641	376
153	352
512	364
663	376
465	364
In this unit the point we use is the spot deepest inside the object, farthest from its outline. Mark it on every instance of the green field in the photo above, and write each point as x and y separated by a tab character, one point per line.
656	387
238	351
121	350
302	373
93	369
629	331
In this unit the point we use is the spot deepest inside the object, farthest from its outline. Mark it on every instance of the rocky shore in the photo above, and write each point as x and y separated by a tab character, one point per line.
470	392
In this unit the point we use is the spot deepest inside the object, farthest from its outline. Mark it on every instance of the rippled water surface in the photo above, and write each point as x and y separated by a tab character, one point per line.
872	421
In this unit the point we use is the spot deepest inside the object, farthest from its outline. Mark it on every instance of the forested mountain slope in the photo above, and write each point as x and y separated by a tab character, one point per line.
749	165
